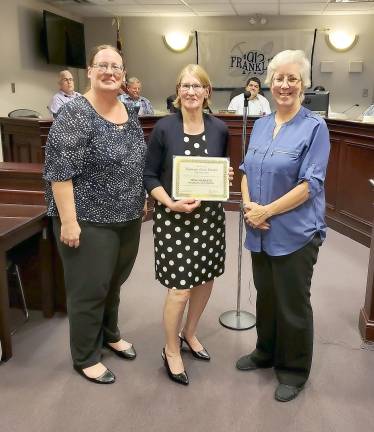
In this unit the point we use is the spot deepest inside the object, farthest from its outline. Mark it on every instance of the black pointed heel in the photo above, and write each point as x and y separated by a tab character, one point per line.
201	355
180	378
128	354
107	377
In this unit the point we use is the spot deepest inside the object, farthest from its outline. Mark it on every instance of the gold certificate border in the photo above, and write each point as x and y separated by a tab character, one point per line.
180	160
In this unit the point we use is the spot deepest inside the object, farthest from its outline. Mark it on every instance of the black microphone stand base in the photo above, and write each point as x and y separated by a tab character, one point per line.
235	320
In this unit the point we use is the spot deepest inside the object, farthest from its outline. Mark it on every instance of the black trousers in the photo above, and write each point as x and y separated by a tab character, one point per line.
284	312
94	273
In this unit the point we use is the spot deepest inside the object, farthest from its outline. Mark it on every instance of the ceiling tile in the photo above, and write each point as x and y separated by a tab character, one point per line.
259	8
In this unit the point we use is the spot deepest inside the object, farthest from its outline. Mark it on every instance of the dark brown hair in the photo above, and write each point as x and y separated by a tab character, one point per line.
99	48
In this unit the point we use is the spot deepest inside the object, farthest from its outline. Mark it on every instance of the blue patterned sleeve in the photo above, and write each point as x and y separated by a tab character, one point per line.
66	144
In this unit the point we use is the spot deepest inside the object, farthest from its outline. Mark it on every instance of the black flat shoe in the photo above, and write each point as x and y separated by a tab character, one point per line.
107	377
246	363
128	354
286	393
201	355
180	378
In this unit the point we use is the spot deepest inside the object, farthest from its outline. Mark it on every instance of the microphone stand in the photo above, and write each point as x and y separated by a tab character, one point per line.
238	319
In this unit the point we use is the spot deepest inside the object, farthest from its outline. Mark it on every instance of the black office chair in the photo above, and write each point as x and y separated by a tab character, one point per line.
169	103
24	112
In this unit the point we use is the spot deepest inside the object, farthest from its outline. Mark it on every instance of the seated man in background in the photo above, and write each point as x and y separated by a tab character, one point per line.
132	97
65	94
257	104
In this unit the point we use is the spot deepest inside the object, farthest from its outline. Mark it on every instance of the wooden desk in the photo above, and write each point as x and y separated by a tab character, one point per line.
351	164
17	224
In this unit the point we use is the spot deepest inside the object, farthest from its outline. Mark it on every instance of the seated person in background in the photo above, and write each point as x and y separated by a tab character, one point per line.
65	94
132	97
369	111
257	104
319	88
169	104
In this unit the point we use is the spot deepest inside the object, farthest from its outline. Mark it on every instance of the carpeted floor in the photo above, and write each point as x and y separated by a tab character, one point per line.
40	392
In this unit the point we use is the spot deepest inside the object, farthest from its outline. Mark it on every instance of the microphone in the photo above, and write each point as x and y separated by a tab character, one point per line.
247	95
354	105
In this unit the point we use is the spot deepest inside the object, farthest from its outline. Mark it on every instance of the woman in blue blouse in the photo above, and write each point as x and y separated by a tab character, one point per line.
95	156
284	205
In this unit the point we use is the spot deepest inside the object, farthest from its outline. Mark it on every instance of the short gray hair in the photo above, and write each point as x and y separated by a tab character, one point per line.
290	56
133	80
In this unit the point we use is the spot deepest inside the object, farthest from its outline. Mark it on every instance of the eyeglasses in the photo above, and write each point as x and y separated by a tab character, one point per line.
67	79
290	80
103	67
197	88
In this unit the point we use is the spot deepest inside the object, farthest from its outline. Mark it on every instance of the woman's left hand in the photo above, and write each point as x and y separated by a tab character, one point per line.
257	215
231	175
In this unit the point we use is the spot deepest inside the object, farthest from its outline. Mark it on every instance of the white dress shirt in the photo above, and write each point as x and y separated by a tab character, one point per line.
256	107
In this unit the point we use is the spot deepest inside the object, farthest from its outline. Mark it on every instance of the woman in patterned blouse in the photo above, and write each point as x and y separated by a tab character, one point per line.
95	157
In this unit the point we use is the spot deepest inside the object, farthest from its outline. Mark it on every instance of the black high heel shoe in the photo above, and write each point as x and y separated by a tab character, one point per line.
201	355
107	377
180	378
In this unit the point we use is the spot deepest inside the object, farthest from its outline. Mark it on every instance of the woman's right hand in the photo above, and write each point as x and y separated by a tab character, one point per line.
70	233
185	205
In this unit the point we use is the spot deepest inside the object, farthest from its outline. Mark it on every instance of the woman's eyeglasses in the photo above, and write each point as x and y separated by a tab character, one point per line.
197	88
104	67
290	80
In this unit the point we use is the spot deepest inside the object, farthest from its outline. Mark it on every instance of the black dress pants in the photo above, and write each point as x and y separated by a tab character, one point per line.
284	312
94	273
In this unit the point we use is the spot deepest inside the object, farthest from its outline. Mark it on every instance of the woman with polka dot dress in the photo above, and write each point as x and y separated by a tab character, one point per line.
189	235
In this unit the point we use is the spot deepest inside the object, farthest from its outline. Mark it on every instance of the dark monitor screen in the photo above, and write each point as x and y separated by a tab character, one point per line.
63	41
317	101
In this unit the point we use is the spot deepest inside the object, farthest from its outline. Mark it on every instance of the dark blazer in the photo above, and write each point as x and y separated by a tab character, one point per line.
167	141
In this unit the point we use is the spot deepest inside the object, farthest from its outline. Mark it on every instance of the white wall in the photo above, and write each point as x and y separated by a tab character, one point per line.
148	58
22	60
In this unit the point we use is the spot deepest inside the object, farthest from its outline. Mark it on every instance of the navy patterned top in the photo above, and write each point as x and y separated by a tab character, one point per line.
104	160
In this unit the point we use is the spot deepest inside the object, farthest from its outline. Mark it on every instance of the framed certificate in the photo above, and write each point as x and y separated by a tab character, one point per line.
202	178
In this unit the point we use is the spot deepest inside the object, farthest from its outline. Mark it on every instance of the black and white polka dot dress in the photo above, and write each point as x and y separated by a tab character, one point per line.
189	248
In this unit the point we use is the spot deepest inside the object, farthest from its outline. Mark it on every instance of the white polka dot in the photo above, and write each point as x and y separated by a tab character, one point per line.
213	213
164	268
219	217
204	233
167	210
187	222
215	268
171	262
186	139
178	242
219	205
180	255
177	229
196	266
191	286
205	220
220	270
203	138
181	268
197	215
212	225
156	248
166	282
174	288
203	258
177	216
187	152
196	228
196	145
221	259
187	247
210	262
196	253
183	282
158	229
196	278
211	238
196	240
160	242
203	245
159	274
187	234
210	250
167	222
206	151
162	255
207	209
157	262
188	260
217	242
222	247
173	276
169	249
216	254
158	216
209	275
219	230
168	236
203	270
189	274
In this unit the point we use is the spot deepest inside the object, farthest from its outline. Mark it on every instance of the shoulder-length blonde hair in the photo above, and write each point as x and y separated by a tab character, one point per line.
198	72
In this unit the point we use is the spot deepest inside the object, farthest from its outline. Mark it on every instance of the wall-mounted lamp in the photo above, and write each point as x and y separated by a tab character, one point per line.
257	19
177	41
341	41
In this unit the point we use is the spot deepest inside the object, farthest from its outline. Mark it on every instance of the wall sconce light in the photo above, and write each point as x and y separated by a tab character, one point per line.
257	19
341	41
177	41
